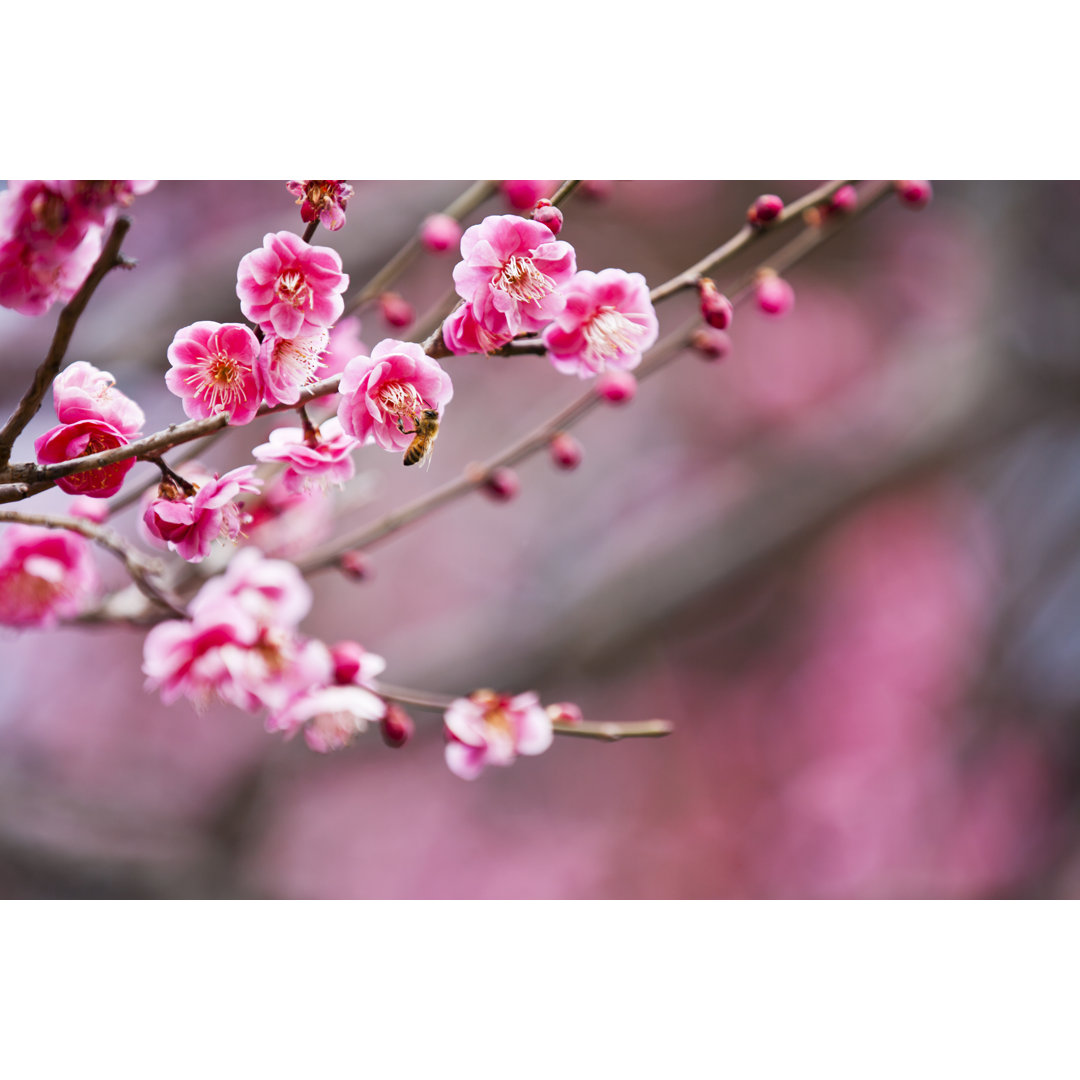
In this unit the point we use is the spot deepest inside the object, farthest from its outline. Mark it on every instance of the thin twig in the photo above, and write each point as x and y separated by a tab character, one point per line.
65	328
140	569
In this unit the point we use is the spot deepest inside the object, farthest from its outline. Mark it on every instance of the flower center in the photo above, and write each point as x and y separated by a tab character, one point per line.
297	361
400	399
609	333
220	380
37	592
292	288
520	280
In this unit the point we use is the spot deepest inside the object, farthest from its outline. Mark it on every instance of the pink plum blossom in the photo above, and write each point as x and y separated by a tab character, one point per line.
315	459
45	575
492	729
286	524
520	266
285	367
213	370
189	524
268	592
465	332
31	280
69	441
523	194
440	232
291	288
331	716
396	382
321	200
608	322
95	510
82	392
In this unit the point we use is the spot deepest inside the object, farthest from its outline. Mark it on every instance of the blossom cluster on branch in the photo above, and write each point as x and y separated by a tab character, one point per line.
236	638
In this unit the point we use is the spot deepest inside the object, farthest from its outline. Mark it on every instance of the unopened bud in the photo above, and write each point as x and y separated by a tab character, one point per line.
712	344
396	310
501	484
548	215
773	294
566	451
348	660
522	194
616	386
440	232
914	193
396	727
716	308
354	564
766	209
844	200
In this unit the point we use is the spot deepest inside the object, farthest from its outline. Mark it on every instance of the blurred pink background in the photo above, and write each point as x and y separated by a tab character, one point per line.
842	562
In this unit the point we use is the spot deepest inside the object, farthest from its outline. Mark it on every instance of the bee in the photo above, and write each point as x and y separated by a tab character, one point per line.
427	427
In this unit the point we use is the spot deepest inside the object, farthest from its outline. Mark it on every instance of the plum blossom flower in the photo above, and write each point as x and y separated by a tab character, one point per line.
523	194
321	200
286	524
520	266
82	392
45	575
464	332
315	459
213	370
333	715
240	644
396	382
32	280
291	288
69	441
285	367
608	322
189	524
487	728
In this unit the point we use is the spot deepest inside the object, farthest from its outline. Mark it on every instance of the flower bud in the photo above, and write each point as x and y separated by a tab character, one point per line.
564	712
396	310
914	193
440	232
773	294
354	564
396	727
566	451
522	194
844	200
347	657
616	386
712	344
548	215
716	308
501	484
766	209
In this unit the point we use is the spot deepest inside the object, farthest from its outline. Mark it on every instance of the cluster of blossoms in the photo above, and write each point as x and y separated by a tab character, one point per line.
515	277
292	291
94	416
51	233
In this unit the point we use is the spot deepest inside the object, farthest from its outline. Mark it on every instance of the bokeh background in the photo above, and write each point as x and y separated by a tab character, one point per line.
844	563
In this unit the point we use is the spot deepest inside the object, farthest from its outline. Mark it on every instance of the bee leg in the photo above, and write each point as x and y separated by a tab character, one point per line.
402	429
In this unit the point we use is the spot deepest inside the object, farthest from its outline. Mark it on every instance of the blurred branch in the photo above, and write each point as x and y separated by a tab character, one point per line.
65	327
141	570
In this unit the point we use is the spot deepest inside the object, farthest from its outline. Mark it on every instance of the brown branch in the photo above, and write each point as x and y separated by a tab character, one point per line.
657	358
65	327
140	569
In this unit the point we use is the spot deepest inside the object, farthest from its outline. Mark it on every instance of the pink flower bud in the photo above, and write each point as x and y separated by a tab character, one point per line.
716	308
348	657
397	726
548	215
616	386
773	294
396	310
501	484
712	344
766	209
354	564
440	232
845	200
83	506
522	194
564	712
914	193
566	451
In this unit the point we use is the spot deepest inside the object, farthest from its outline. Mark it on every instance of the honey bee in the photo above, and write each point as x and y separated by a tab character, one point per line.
427	427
